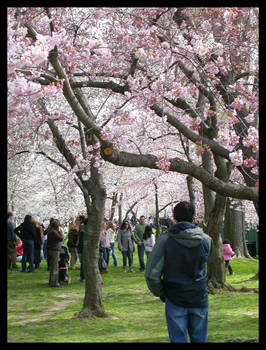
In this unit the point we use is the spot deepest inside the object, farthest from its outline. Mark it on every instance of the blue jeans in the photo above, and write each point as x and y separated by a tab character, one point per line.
106	253
28	254
141	257
180	320
126	254
113	253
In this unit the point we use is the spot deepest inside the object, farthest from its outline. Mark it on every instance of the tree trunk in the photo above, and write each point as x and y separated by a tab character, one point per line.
92	304
190	189
215	264
234	230
113	206
95	197
214	213
157	221
120	210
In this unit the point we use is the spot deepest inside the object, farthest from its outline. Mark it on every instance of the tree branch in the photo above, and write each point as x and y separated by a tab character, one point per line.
178	165
214	146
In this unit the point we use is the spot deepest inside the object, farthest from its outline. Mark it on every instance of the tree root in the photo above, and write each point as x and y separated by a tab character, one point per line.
215	287
88	313
254	278
219	288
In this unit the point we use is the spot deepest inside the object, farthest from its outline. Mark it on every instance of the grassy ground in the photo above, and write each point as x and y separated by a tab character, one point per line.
37	313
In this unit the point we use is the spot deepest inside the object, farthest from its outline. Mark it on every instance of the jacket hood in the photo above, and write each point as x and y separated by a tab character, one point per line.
187	234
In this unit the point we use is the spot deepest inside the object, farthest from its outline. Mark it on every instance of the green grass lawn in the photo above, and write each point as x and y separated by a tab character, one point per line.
38	313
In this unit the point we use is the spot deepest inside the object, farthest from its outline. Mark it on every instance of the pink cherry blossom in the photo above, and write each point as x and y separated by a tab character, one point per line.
163	164
236	157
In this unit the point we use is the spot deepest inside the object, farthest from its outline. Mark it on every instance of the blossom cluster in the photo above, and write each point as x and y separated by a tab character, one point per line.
163	164
251	140
236	157
104	43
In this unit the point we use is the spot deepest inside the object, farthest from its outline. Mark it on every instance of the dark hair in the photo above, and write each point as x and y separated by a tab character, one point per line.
184	211
148	232
122	227
9	214
81	219
51	220
27	218
226	241
55	224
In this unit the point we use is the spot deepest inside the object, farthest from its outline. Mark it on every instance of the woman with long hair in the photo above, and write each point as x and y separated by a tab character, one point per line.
126	245
26	232
54	239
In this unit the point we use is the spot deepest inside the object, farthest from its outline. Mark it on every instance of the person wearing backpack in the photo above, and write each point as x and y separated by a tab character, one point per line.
176	272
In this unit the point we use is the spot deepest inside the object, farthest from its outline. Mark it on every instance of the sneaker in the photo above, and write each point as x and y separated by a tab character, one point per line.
80	280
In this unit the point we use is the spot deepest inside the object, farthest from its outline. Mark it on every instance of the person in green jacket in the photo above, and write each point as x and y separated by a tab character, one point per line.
138	238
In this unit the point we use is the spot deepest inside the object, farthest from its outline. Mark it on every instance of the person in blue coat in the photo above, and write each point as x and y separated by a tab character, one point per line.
176	272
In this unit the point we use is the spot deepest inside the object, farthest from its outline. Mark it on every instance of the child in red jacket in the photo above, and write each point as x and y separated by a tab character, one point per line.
228	254
19	250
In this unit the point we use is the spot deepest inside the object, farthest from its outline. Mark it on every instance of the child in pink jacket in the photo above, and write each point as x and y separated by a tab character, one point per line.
228	254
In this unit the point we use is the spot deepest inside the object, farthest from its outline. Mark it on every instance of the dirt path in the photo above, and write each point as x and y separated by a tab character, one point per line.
66	299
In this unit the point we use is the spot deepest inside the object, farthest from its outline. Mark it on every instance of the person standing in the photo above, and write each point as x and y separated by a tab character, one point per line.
176	272
45	249
37	243
110	228
126	245
148	240
11	243
72	243
26	232
82	227
105	243
54	239
138	238
228	254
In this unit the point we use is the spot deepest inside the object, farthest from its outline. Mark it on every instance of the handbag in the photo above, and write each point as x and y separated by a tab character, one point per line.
102	264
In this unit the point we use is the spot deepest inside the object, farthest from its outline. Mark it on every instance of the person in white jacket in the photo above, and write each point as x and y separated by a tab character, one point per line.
148	240
110	228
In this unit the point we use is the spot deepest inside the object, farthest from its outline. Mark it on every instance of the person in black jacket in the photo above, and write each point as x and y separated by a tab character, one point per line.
26	232
54	239
176	272
83	222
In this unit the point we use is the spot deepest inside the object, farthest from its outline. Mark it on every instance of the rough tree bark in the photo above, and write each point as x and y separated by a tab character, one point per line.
214	214
234	230
92	304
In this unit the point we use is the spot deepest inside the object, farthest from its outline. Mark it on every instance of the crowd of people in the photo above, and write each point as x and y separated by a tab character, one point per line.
29	243
180	256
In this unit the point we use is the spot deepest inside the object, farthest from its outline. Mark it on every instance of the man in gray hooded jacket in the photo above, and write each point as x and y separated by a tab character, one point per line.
176	272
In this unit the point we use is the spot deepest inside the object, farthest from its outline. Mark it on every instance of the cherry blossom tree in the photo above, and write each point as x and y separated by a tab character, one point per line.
143	82
39	187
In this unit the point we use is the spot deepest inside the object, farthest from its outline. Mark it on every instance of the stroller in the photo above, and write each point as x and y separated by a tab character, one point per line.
62	265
